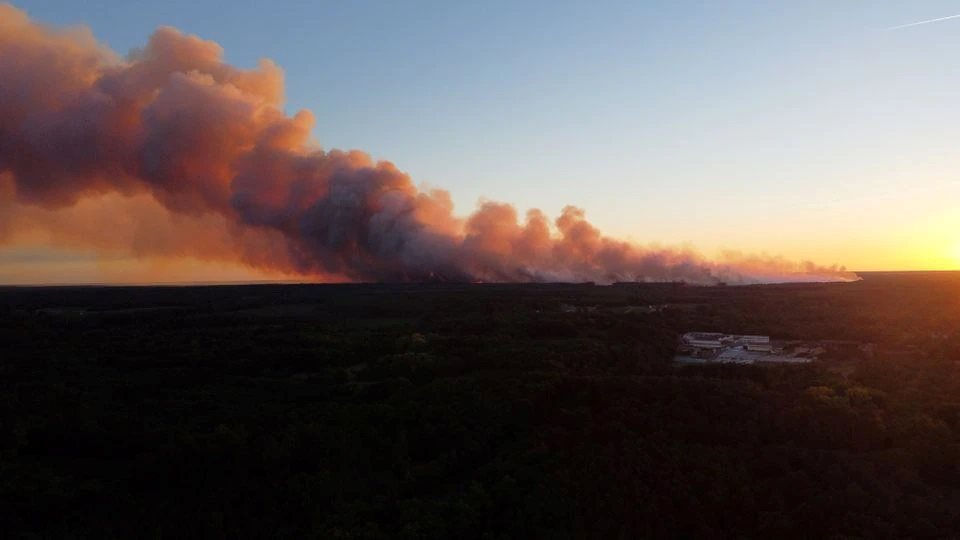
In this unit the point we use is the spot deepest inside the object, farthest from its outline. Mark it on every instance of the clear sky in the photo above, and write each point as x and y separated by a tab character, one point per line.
805	129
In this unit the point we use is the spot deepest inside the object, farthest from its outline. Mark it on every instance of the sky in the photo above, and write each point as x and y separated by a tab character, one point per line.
809	130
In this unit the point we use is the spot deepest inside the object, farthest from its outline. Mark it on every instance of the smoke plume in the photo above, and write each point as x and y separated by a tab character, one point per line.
170	151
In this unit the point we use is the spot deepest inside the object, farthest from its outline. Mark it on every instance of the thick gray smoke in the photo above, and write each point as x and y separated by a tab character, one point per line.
209	143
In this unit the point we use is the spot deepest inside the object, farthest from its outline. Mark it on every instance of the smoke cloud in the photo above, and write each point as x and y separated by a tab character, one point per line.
172	152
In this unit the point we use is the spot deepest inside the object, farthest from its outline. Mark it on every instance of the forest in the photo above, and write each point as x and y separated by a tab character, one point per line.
477	411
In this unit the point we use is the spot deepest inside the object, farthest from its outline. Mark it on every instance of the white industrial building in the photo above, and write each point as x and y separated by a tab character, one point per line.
715	347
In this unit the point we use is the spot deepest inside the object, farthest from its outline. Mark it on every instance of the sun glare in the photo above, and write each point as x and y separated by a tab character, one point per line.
955	254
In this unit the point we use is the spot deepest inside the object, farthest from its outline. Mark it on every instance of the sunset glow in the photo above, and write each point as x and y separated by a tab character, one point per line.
378	269
171	153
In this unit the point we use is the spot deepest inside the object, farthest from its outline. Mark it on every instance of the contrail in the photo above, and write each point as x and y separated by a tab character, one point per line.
923	22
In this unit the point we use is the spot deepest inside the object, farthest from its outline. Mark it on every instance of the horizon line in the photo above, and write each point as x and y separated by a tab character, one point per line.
304	282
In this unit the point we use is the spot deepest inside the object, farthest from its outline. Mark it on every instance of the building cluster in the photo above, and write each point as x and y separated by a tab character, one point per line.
715	347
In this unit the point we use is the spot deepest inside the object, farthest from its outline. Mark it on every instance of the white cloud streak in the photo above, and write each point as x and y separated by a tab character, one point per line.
924	22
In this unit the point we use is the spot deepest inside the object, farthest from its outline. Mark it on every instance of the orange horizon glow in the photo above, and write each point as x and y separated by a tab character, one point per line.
172	165
98	269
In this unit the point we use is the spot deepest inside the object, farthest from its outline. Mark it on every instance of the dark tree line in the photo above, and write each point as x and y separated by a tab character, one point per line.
477	412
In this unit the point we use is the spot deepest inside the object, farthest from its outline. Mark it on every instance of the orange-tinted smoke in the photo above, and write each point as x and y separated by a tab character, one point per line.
209	142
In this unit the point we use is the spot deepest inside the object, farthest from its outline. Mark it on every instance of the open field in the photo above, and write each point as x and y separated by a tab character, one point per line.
419	411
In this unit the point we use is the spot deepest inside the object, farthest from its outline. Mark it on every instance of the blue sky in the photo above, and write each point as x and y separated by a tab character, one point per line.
806	130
